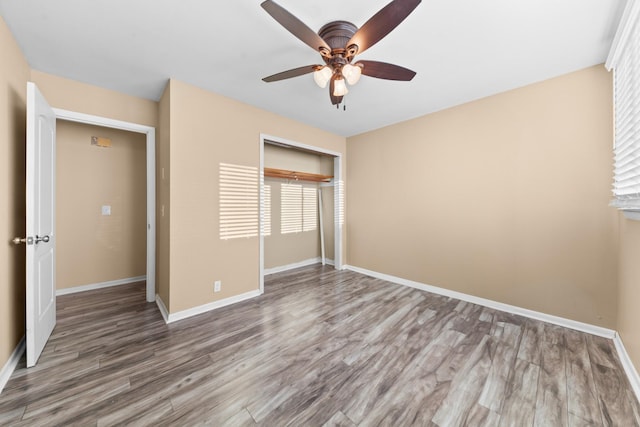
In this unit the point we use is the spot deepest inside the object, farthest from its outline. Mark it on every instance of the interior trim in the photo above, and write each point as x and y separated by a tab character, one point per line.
627	364
194	311
100	285
163	308
305	263
150	133
339	197
532	314
10	366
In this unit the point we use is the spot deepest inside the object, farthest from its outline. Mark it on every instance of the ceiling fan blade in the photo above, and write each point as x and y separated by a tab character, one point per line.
295	72
335	100
381	24
294	25
383	70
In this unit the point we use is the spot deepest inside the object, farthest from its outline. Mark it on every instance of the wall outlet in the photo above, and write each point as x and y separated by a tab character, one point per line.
217	285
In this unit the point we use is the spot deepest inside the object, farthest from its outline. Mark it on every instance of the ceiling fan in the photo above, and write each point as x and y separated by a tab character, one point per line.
339	42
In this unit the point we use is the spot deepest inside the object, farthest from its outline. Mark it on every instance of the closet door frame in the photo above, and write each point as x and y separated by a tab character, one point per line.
338	195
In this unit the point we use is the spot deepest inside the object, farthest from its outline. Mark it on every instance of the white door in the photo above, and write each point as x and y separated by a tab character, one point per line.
41	240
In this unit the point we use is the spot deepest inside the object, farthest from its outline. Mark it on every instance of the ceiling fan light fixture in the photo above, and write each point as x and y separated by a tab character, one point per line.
339	42
351	73
340	88
322	76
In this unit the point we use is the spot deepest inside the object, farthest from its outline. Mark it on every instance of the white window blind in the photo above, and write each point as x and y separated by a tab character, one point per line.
625	61
238	201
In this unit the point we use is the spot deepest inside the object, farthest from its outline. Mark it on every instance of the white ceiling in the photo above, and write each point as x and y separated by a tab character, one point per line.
461	50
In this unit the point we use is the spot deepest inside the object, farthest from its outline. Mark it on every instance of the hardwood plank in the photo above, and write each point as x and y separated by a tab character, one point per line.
614	401
581	391
601	353
502	365
339	420
142	417
417	395
520	395
320	347
480	415
551	399
613	388
12	416
467	385
530	346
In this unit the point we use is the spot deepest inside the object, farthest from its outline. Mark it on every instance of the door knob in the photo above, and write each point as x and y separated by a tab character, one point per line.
44	239
27	240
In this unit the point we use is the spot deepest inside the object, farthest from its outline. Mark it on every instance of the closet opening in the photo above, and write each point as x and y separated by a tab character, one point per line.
301	206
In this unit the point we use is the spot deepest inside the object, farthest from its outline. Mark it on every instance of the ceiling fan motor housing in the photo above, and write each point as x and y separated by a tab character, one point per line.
337	34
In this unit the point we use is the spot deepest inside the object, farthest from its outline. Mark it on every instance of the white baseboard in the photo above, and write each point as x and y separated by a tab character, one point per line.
163	308
627	364
180	315
94	286
11	364
299	264
556	320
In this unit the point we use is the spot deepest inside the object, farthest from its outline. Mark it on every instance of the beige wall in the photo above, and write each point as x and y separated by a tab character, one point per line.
504	198
92	248
207	129
14	74
84	98
629	288
283	249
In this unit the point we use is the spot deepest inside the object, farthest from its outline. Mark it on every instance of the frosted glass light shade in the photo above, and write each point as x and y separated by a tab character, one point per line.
322	76
351	73
340	88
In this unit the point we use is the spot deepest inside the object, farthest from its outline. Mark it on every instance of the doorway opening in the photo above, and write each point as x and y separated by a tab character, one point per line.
149	135
100	207
296	194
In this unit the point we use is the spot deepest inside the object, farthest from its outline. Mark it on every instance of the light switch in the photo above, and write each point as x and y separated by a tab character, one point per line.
106	210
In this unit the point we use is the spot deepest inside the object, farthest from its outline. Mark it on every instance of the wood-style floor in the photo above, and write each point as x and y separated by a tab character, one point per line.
320	347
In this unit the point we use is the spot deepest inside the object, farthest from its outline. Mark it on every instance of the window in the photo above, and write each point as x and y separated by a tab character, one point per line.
624	59
238	201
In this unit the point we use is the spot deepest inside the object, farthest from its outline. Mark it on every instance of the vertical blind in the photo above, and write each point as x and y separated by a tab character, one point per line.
625	62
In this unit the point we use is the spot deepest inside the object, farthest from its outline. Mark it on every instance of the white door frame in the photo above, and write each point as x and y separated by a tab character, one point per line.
150	133
338	198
